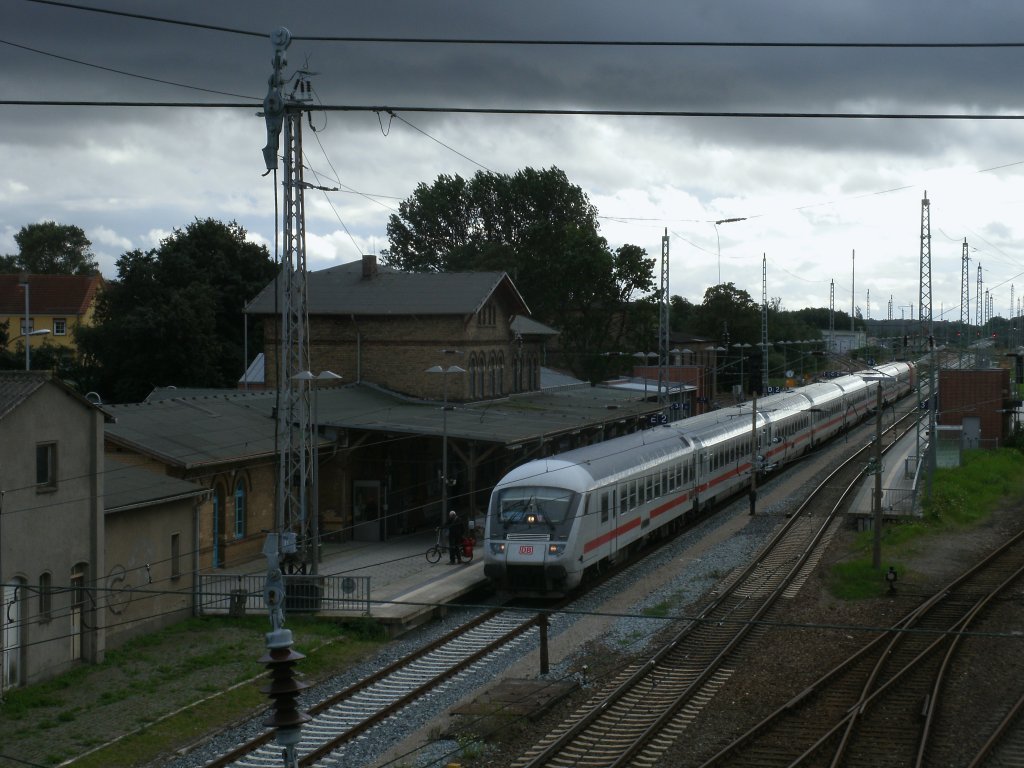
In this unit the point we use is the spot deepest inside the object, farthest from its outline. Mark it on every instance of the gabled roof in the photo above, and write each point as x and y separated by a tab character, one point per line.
18	386
49	294
343	290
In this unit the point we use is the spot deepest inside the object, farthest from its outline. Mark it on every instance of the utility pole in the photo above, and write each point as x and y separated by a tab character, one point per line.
295	441
876	502
753	456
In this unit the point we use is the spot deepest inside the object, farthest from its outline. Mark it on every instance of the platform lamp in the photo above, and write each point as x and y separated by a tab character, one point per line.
444	371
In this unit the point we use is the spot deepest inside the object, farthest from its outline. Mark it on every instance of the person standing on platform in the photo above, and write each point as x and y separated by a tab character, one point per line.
455	536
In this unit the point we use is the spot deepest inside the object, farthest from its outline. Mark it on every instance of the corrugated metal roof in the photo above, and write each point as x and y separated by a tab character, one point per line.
194	430
343	290
126	486
48	294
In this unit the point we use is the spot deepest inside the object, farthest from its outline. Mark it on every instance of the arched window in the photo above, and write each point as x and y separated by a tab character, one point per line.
45	595
12	631
491	371
501	373
240	502
218	526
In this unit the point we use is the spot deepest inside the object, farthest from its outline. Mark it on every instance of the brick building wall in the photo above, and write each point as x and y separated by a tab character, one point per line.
395	353
981	394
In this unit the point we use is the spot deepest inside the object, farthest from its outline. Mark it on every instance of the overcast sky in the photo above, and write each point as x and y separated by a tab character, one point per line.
813	192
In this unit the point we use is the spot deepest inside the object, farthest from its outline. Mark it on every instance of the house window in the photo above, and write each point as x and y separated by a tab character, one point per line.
239	510
46	465
45	595
60	326
175	556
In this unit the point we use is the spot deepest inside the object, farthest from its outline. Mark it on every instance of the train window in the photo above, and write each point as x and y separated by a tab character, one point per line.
605	503
652	487
659	483
623	498
533	505
632	494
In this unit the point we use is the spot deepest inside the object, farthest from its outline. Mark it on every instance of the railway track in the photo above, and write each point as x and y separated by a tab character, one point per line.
344	716
892	702
636	719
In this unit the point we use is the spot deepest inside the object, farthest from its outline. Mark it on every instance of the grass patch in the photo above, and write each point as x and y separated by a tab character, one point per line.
139	684
961	498
658	611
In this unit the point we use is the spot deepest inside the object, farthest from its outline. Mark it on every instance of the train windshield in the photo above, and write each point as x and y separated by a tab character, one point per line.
532	505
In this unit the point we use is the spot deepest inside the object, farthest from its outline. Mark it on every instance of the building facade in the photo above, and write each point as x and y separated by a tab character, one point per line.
51	529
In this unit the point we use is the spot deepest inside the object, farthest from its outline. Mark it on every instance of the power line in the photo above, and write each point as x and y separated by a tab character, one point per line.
531	112
537	42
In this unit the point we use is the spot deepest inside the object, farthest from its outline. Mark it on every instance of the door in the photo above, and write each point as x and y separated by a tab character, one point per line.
971	432
10	621
366	510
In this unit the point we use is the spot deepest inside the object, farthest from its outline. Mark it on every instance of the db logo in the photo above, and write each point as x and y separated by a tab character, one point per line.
526	549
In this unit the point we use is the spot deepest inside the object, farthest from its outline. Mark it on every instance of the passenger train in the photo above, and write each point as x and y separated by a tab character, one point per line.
551	520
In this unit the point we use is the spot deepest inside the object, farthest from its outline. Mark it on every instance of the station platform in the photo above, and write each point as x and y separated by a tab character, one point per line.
405	589
898	467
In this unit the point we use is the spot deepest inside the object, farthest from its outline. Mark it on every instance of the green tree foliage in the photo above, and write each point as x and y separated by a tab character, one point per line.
174	314
540	229
49	248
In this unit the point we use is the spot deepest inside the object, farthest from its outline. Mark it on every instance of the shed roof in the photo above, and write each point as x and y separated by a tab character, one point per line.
196	428
48	294
129	487
343	290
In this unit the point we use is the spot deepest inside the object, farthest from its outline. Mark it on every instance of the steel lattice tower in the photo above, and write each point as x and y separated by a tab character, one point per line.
663	323
295	440
965	294
764	324
924	312
979	308
832	317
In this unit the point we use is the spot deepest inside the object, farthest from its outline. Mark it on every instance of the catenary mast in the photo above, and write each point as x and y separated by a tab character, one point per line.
283	114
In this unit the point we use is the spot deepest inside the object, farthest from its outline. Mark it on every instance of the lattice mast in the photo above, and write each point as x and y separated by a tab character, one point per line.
965	294
663	325
924	312
832	317
924	315
978	307
764	324
853	282
295	440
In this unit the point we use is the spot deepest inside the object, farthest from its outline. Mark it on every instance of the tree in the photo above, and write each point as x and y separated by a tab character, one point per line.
174	314
540	229
49	248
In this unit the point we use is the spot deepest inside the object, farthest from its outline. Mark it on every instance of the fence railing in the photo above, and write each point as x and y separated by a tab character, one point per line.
236	595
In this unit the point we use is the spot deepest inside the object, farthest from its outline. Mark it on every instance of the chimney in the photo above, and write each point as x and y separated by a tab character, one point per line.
369	266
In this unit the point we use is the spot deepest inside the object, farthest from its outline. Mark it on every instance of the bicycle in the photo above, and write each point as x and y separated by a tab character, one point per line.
437	550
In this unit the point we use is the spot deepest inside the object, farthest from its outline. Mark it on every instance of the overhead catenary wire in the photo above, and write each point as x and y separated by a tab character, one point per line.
539	41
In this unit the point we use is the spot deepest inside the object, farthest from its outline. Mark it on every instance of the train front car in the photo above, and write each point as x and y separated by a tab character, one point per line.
529	534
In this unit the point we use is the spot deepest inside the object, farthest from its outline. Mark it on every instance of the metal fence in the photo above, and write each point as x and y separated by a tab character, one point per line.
236	595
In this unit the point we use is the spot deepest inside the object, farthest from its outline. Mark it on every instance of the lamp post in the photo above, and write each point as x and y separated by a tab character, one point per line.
28	357
444	371
741	348
645	358
719	239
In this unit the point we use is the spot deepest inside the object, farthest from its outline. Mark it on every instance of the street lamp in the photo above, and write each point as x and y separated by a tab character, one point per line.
719	239
313	382
741	348
444	371
25	336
